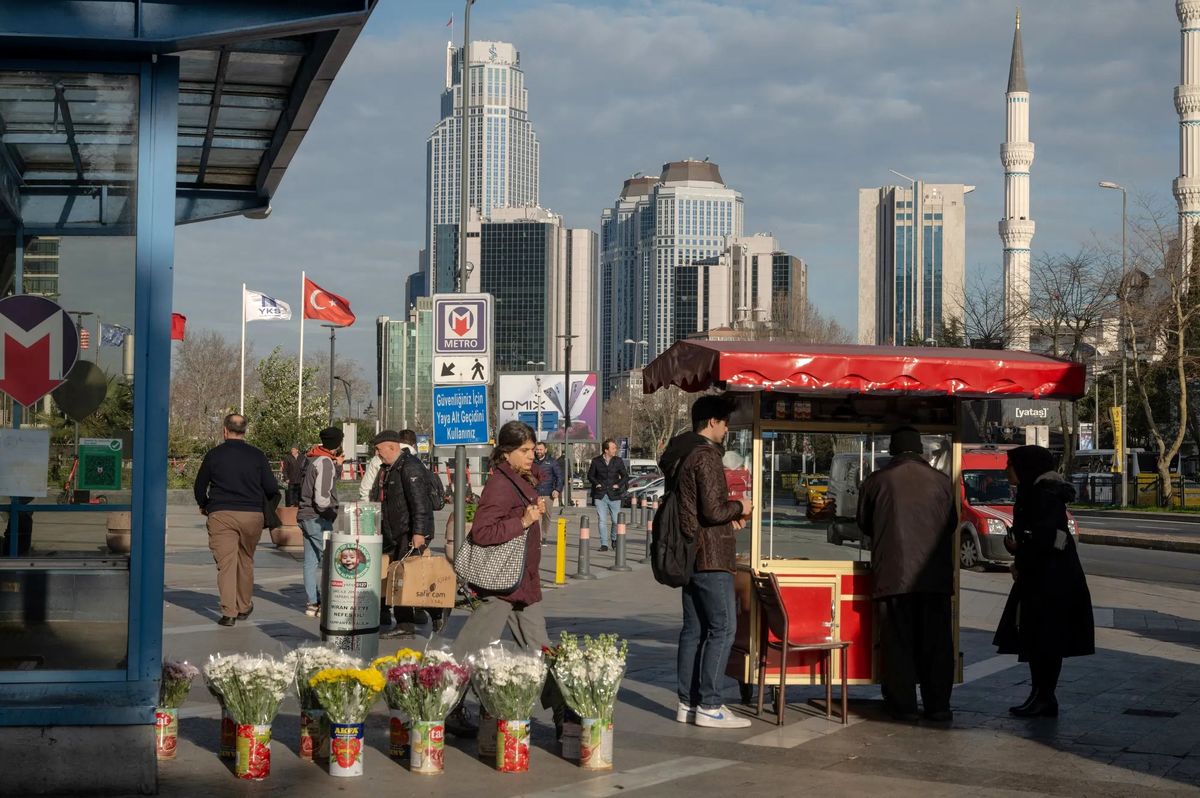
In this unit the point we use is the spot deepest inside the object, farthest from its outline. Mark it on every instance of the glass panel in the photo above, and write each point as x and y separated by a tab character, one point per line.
739	479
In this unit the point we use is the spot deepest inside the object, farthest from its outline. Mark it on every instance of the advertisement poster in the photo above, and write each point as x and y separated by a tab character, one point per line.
542	401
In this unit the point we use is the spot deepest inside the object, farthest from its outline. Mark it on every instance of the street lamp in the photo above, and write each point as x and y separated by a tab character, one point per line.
635	345
333	328
346	385
1122	345
537	379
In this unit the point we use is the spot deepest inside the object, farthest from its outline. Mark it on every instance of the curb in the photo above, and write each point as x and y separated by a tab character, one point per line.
1183	518
1179	545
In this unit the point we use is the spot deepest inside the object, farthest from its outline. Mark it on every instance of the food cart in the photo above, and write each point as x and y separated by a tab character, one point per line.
835	406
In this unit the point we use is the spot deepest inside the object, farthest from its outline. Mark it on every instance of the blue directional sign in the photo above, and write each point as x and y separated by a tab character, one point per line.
460	415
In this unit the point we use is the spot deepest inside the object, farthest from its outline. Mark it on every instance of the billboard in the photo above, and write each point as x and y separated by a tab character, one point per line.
542	401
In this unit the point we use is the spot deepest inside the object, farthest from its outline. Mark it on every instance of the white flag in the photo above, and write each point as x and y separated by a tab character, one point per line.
260	307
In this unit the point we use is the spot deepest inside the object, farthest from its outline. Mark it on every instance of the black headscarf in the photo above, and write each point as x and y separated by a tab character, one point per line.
1030	462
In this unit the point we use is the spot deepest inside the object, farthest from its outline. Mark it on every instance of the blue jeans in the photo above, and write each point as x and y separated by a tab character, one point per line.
709	623
608	509
314	530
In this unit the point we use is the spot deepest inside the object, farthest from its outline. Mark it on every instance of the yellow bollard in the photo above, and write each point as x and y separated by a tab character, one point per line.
560	555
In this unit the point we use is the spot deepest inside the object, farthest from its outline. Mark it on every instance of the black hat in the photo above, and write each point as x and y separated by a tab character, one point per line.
905	440
331	437
386	436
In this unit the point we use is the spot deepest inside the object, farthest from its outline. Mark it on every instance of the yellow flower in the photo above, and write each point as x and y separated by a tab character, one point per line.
368	678
409	654
383	663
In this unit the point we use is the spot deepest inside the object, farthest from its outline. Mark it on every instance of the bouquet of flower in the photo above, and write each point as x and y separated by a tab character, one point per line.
176	682
306	662
405	657
427	690
250	687
347	694
589	672
508	681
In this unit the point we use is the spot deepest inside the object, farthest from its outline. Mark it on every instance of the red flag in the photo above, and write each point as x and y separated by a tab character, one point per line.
450	22
321	304
178	322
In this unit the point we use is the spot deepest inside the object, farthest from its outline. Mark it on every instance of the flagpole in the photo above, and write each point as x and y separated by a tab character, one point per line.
242	392
300	368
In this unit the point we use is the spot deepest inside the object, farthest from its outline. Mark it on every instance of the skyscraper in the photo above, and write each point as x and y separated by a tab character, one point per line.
626	252
751	285
504	154
1187	105
911	256
1017	227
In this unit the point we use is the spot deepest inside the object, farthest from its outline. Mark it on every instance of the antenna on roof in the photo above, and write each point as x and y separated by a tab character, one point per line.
706	159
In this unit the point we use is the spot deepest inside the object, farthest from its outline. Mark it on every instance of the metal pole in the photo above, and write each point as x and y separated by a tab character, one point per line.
464	204
332	345
1124	368
567	375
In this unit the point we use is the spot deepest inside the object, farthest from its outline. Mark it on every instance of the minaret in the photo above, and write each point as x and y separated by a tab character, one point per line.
1016	228
1187	104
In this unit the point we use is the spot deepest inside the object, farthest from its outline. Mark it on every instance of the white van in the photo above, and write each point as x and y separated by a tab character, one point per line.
638	465
846	473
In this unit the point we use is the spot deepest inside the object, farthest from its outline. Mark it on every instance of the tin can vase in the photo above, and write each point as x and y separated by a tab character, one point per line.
166	732
512	746
569	742
228	747
310	733
345	749
596	744
427	746
486	738
253	761
397	734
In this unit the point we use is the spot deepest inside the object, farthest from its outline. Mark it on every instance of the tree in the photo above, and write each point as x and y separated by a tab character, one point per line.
204	388
982	315
660	416
271	409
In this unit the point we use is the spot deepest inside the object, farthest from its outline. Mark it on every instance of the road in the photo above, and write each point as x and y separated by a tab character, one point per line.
1151	526
1141	565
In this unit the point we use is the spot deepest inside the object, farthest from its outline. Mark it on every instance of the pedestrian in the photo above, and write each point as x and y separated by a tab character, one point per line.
233	487
550	482
293	475
907	509
366	485
608	477
707	516
402	489
1048	615
318	510
509	507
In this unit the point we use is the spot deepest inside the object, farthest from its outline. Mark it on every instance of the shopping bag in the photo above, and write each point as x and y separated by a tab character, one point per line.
426	581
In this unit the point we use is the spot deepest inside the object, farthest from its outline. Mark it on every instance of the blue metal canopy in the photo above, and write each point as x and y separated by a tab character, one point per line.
252	75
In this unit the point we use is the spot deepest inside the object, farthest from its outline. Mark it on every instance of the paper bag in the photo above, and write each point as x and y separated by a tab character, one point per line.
426	582
392	584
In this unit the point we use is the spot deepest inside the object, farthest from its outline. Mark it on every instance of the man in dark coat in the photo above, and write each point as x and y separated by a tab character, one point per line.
608	478
550	483
907	509
293	473
692	465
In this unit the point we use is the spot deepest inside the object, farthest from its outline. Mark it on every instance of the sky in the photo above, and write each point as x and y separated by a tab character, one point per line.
800	102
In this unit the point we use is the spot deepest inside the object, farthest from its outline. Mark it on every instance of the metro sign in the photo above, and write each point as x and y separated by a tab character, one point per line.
462	321
463	324
39	344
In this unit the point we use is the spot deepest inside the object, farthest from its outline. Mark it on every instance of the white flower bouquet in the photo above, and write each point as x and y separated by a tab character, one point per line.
176	683
306	661
250	688
508	681
589	672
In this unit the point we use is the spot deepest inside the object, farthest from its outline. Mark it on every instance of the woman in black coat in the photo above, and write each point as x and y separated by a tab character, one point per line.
1049	611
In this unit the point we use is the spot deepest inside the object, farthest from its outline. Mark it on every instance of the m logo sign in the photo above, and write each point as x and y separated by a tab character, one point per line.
38	346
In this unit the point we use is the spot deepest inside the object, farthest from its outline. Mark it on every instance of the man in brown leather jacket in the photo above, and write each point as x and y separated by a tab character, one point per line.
692	463
907	509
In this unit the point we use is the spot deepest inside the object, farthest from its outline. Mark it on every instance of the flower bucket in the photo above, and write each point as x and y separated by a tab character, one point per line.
512	746
345	749
427	747
228	749
397	734
569	741
486	738
166	732
596	744
311	736
253	760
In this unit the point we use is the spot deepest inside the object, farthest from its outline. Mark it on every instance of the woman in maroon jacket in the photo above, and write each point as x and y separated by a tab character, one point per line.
508	508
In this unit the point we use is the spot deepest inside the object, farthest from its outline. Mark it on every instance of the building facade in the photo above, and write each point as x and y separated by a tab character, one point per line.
1187	104
626	254
504	154
404	358
911	261
752	284
1017	226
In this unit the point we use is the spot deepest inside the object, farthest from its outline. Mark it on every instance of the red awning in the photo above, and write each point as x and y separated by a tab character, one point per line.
845	369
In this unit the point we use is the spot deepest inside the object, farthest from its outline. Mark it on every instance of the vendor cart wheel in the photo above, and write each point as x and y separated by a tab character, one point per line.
747	691
968	552
831	534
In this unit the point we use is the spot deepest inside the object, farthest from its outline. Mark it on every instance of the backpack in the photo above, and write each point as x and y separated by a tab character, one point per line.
433	484
672	554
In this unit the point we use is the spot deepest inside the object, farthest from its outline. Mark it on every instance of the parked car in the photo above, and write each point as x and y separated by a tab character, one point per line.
636	484
645	491
806	488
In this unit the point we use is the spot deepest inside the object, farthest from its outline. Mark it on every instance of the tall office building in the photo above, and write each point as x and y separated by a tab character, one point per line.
404	368
653	232
750	285
1017	226
504	153
1187	105
524	256
911	260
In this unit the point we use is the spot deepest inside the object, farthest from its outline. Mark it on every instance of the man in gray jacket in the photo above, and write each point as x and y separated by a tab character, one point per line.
318	509
907	509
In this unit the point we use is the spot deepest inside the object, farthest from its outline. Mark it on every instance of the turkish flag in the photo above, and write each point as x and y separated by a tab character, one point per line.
321	304
178	322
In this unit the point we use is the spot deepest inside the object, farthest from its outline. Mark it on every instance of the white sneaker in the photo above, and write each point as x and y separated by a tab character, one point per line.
719	718
685	714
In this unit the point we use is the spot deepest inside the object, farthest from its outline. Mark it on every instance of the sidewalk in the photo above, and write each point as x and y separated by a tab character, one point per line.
1130	721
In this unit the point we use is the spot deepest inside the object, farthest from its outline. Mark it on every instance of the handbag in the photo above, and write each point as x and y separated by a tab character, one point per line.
497	569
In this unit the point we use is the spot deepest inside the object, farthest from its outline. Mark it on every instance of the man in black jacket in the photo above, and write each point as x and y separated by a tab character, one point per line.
608	478
293	473
907	509
232	488
402	488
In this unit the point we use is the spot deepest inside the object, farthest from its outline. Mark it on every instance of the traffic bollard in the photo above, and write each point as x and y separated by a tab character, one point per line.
583	569
619	544
560	553
649	534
